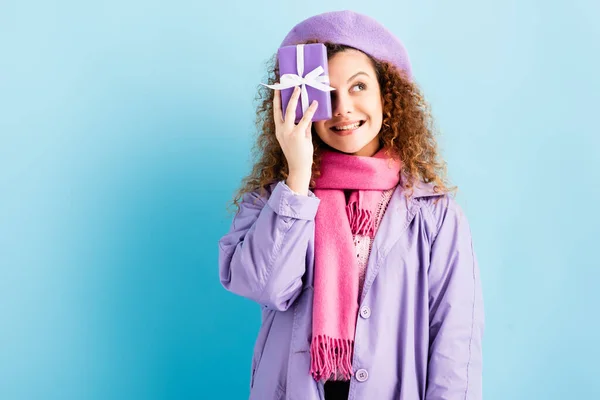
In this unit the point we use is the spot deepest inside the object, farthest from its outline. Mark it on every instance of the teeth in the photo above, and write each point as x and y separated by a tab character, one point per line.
346	127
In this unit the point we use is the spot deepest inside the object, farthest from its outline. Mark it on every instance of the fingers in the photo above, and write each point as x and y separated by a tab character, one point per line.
290	112
277	108
304	124
308	132
307	117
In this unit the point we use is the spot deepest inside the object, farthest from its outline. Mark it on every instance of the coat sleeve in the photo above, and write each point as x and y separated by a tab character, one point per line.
456	317
263	257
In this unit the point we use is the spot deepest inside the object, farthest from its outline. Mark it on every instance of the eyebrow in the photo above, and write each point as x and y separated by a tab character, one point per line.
355	75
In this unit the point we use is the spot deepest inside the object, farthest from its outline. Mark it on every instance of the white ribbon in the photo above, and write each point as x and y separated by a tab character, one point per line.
313	78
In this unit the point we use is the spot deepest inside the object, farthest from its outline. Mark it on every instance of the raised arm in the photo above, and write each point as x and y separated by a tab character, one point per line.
263	257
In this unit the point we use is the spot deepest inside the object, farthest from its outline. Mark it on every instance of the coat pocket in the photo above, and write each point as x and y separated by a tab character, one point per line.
261	340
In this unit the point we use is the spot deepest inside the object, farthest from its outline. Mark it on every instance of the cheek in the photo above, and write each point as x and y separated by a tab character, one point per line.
377	110
320	127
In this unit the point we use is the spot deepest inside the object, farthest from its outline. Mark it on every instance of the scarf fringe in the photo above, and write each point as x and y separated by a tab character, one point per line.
361	220
329	355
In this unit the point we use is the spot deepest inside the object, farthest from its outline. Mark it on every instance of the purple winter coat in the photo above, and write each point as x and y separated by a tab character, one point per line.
421	321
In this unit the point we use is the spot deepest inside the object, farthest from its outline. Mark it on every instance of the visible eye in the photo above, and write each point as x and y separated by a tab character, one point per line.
361	85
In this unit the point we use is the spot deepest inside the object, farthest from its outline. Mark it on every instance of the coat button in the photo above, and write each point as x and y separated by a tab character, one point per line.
362	375
365	312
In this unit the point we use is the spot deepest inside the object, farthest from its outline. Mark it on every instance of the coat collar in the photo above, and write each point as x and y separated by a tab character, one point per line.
420	188
400	213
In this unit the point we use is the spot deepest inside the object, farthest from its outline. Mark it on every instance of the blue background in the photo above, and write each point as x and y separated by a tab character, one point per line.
125	128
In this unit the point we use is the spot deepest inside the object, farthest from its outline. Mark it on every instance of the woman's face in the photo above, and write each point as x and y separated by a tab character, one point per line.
355	100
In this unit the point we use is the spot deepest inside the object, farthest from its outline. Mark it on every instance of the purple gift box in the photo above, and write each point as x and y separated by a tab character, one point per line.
315	55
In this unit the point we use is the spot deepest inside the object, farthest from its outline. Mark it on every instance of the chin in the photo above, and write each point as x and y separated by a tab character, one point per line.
348	149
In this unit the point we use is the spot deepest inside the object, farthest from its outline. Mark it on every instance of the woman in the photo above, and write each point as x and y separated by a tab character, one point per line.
348	238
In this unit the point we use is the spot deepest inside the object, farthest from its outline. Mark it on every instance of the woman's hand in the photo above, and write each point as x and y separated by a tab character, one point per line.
295	140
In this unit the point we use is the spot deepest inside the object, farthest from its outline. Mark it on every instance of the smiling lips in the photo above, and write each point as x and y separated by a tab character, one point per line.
346	128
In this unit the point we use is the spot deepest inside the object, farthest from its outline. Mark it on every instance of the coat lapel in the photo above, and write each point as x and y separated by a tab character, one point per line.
399	214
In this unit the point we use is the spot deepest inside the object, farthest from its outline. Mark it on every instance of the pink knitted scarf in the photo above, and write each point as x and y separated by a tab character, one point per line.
336	294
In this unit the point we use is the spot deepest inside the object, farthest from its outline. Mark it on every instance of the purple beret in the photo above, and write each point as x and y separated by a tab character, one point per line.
355	30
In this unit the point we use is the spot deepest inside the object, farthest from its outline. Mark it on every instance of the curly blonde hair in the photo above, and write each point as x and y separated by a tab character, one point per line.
407	132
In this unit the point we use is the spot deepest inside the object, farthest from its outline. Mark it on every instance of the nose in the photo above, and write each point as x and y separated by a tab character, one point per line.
341	103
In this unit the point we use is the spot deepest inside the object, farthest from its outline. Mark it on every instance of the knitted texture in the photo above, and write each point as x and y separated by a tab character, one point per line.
336	271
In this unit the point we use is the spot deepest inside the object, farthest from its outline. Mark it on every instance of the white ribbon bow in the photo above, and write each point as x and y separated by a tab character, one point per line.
313	78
